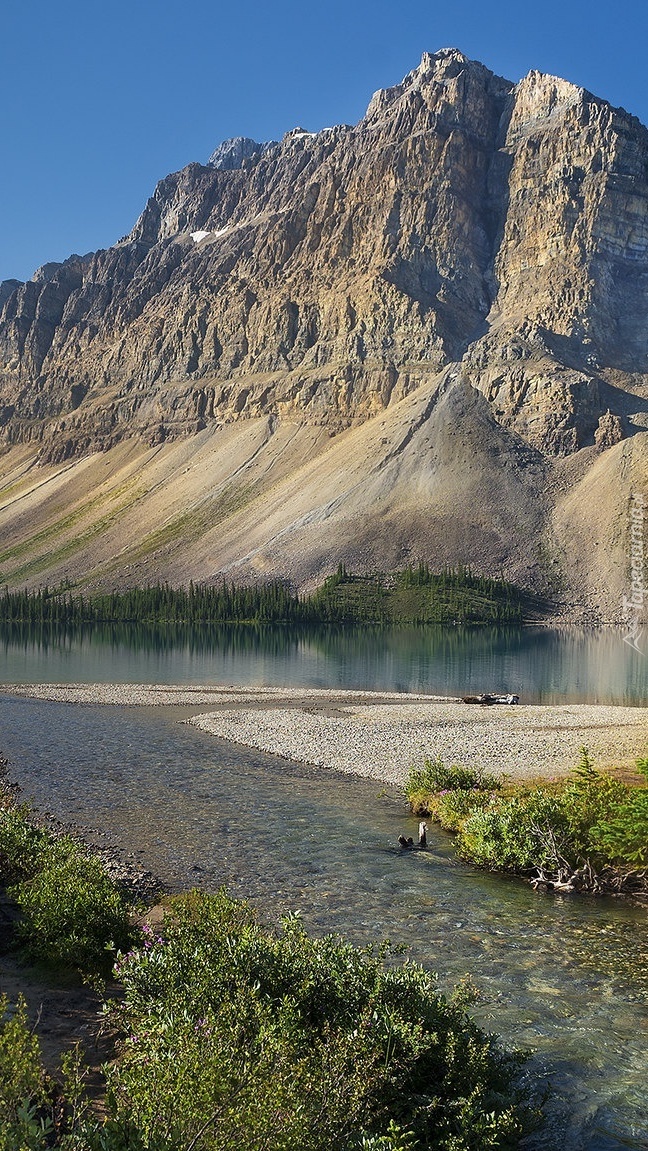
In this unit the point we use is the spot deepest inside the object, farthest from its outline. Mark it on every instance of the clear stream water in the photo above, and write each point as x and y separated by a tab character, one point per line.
566	977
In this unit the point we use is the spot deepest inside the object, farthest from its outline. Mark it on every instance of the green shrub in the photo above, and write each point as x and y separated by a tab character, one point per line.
588	797
451	808
72	913
593	820
622	836
518	833
37	1112
425	782
21	844
395	1140
25	1090
235	1035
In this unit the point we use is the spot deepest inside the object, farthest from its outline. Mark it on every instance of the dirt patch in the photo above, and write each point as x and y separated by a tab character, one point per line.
61	1011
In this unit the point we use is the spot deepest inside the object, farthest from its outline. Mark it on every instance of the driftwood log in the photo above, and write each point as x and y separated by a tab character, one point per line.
489	697
609	881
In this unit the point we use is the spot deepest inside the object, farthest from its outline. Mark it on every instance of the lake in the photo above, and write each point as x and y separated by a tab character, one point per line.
542	665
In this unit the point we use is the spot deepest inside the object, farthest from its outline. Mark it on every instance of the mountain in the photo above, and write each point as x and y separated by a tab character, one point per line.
422	337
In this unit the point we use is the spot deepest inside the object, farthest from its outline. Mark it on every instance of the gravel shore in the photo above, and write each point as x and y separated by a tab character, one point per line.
379	735
382	741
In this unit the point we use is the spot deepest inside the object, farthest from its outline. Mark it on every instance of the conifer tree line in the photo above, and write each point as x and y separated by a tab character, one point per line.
199	603
415	595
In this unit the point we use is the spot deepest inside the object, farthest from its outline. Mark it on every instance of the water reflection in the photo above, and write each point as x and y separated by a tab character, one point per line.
540	664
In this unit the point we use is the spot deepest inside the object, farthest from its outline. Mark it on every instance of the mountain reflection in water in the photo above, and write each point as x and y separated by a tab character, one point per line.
540	664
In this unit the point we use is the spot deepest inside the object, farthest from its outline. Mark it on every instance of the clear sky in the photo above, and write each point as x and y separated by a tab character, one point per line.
101	98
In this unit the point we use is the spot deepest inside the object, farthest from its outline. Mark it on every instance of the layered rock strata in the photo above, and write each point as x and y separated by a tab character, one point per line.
420	337
464	220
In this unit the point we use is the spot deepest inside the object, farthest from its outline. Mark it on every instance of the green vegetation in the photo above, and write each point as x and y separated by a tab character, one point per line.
266	603
291	1042
26	1096
415	595
427	786
234	1035
21	844
586	833
230	1034
38	1112
72	914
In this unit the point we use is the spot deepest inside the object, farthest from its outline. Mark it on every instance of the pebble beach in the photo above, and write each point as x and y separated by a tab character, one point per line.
380	735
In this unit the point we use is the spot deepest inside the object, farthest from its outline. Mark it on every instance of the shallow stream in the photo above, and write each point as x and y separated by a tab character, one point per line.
564	976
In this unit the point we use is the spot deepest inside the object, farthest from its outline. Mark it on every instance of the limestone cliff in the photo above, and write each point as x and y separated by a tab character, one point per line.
470	236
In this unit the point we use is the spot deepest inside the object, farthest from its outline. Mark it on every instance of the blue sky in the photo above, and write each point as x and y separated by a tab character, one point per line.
101	100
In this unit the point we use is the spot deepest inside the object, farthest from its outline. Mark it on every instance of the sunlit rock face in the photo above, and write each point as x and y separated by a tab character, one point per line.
465	221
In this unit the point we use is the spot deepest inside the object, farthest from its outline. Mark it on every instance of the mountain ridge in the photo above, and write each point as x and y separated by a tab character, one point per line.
468	238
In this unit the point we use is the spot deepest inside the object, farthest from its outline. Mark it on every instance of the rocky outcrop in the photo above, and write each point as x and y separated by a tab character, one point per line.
464	220
7	289
231	153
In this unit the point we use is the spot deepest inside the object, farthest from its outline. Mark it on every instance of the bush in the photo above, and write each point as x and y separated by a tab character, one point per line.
622	837
73	913
425	782
517	834
451	808
592	822
25	1091
233	1035
21	844
237	1035
37	1112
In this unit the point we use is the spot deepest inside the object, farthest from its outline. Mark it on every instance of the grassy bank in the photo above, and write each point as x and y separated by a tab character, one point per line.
228	1033
415	595
588	832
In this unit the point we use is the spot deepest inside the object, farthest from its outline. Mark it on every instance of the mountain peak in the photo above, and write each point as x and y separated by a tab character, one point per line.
440	68
449	55
549	93
230	155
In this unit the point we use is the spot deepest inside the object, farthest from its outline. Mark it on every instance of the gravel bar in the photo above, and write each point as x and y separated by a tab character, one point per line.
147	695
382	741
380	734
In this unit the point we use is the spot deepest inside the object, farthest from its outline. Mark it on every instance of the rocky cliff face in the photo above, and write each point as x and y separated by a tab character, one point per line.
455	290
464	220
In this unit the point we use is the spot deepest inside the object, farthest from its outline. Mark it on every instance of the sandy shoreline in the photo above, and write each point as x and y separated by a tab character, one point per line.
380	734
